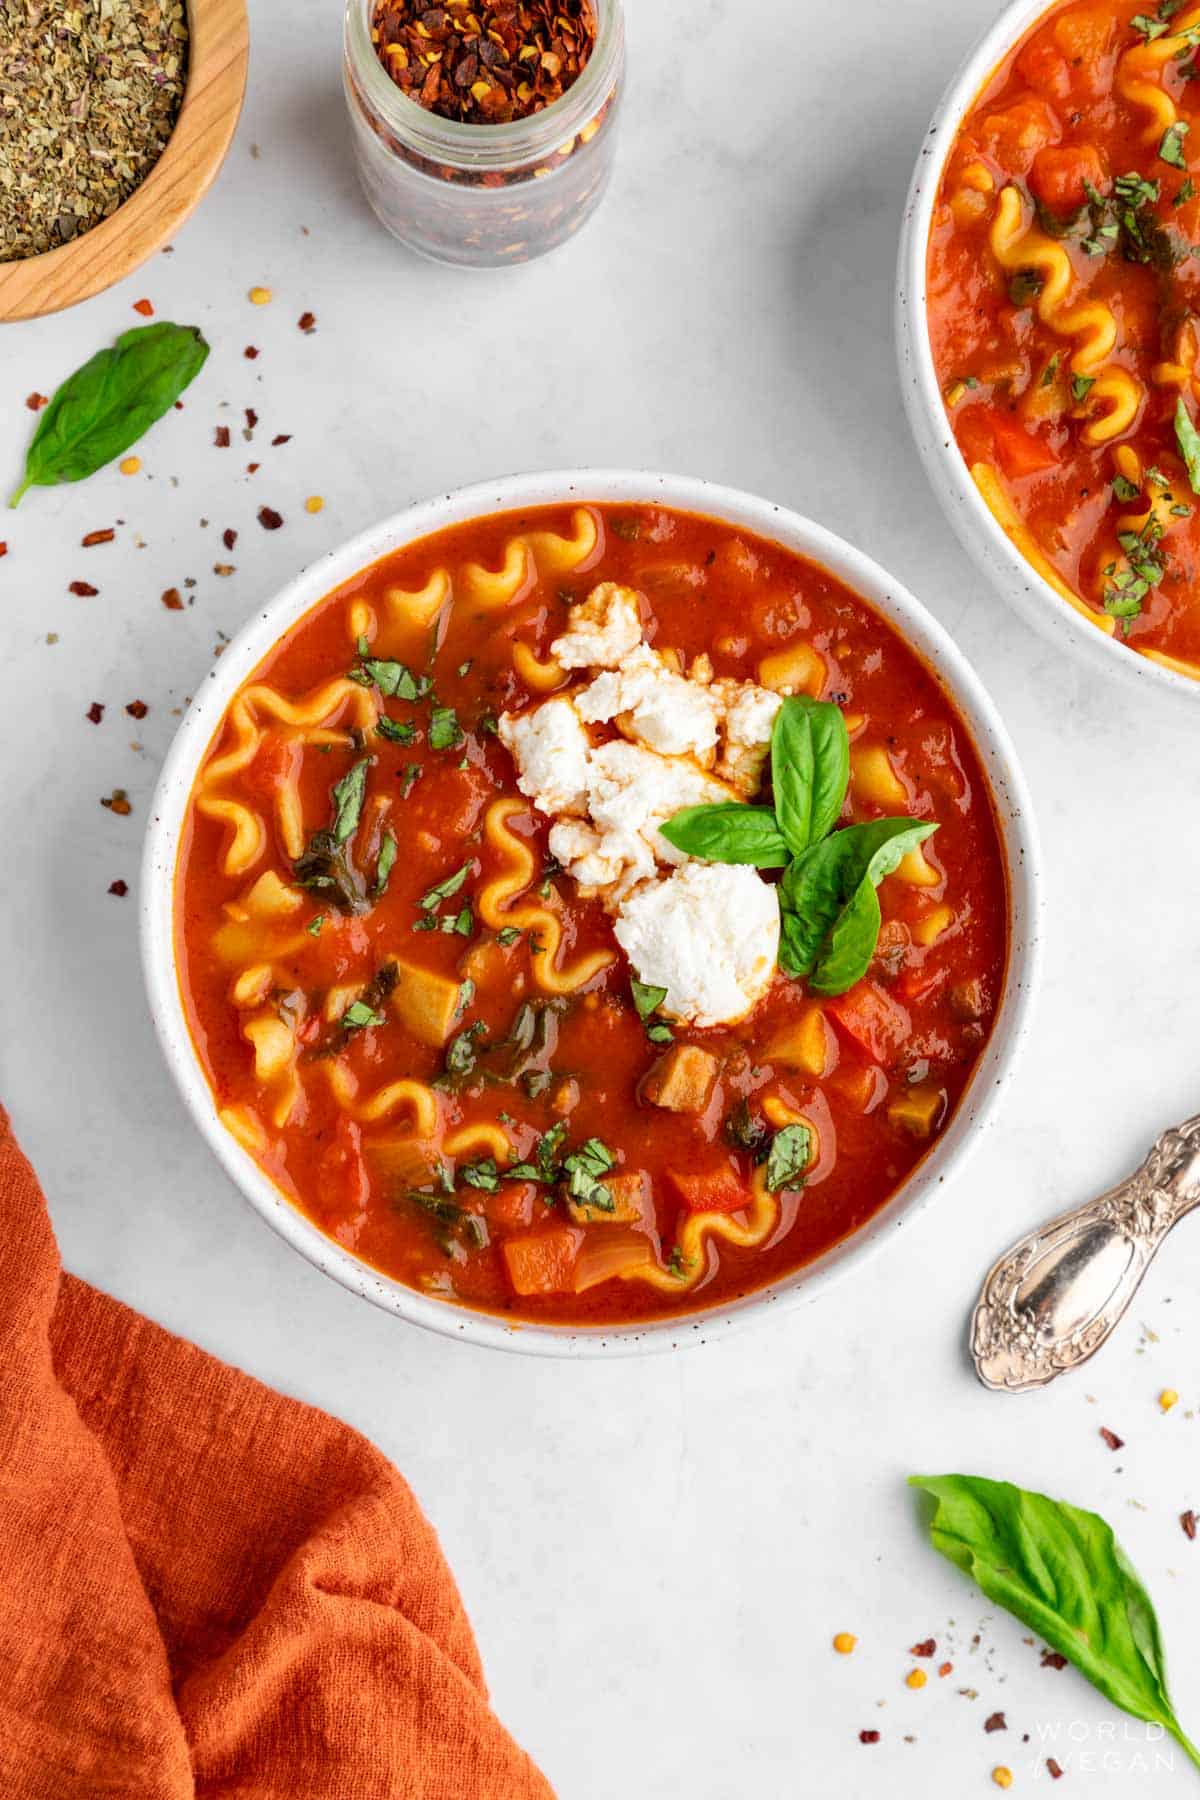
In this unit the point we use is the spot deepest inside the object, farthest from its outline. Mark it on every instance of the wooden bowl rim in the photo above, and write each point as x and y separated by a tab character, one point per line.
215	28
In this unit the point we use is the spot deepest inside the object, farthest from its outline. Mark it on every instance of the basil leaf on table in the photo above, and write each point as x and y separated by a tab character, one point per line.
728	832
824	883
1061	1572
810	769
109	402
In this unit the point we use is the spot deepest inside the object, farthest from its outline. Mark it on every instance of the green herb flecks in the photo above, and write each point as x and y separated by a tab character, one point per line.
1062	1573
445	732
1170	150
107	404
348	795
584	1169
1188	439
386	862
788	1158
360	1017
396	731
647	1001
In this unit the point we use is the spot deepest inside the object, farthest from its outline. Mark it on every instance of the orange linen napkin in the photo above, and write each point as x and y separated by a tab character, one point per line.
206	1589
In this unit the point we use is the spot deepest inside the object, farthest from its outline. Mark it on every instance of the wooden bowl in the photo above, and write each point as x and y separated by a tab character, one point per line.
218	52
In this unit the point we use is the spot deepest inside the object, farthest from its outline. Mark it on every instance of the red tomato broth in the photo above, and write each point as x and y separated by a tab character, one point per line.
1057	120
706	587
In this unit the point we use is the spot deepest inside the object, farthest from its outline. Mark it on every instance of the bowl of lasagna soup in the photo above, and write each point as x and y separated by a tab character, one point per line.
589	909
1048	294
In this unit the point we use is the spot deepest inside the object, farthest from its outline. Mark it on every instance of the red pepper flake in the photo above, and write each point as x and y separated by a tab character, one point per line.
1111	1438
1053	1659
868	1737
98	537
307	322
250	352
945	1669
253	468
500	61
36	401
119	888
1188	1521
173	600
926	1647
221	437
269	519
118	802
1055	1769
223	569
144	307
137	709
95	712
285	437
997	1722
251	418
229	537
3	548
84	589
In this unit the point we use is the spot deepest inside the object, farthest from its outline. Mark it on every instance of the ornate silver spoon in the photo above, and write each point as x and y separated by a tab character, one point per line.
1053	1299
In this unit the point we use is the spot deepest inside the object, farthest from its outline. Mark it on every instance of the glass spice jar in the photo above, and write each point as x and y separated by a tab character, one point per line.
479	195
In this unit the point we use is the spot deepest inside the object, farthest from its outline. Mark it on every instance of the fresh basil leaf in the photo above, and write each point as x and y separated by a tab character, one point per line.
788	1157
818	886
584	1168
396	731
110	401
1061	1572
444	729
728	833
444	889
358	1017
387	860
348	801
1170	149
847	952
1188	439
508	934
810	769
482	1174
646	999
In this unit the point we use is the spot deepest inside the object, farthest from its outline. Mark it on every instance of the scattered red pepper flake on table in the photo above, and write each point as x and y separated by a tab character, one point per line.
119	888
307	322
137	709
251	418
945	1669
285	437
1188	1521
35	401
95	712
173	600
1053	1659
98	537
996	1722
84	589
229	537
253	468
3	548
221	437
1055	1768
927	1647
269	519
250	352
502	60
144	307
118	802
1111	1438
868	1737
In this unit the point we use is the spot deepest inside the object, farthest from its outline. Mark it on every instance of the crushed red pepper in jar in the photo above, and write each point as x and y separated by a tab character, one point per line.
484	64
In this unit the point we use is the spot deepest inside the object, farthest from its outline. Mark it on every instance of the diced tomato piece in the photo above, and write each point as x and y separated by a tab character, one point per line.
1014	137
1043	65
869	1016
510	1208
344	1183
1062	173
1019	451
718	1188
272	765
543	1262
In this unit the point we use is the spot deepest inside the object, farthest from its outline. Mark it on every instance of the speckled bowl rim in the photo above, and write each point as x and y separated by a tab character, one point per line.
513	493
984	540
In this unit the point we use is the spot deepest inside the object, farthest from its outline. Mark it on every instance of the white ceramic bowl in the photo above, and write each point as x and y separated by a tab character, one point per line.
859	573
981	536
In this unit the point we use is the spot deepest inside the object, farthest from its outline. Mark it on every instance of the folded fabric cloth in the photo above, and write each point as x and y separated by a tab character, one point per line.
205	1588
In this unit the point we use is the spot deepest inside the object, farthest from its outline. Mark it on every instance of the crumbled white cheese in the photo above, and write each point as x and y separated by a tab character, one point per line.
709	934
580	850
551	750
654	706
631	792
747	718
603	629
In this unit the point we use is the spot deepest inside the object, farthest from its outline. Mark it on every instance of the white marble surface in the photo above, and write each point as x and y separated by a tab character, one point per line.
655	1553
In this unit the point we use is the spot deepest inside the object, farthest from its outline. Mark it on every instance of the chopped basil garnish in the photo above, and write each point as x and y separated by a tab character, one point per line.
359	1016
444	889
1125	490
314	925
1025	286
394	680
387	859
396	731
444	729
1171	148
1081	386
584	1169
482	1174
508	934
788	1158
1188	439
412	775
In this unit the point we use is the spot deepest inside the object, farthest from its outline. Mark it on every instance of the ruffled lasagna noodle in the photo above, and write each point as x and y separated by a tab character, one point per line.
420	1020
1063	284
